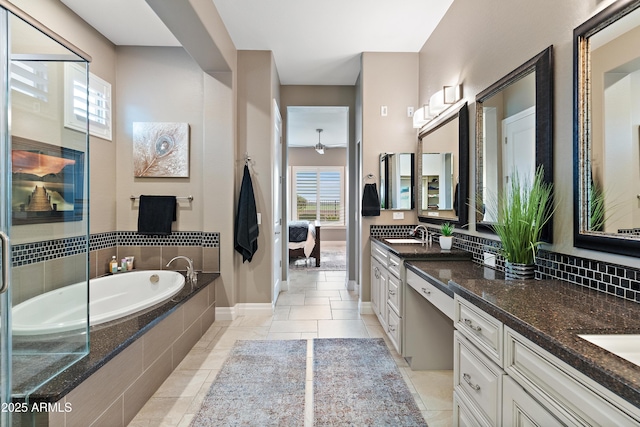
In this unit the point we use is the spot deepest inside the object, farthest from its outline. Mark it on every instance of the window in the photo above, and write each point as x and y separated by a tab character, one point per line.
30	78
319	194
77	110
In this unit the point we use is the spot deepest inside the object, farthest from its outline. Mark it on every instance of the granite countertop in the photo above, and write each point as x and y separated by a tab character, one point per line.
550	313
418	251
109	339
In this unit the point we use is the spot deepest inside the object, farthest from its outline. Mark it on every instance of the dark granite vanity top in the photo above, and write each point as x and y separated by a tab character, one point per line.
418	251
550	313
108	340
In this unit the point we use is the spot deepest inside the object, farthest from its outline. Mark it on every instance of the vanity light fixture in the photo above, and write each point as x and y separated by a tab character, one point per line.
319	147
439	102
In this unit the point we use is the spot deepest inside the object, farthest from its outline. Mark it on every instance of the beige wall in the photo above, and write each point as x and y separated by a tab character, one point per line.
258	86
387	79
461	49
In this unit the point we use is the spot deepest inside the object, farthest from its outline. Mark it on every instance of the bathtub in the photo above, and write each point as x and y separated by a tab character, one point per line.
111	297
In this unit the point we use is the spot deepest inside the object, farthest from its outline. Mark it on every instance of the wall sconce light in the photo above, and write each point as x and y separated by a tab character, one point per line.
438	104
319	147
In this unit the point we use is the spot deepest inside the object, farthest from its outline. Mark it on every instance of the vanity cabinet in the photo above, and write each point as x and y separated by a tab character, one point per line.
503	379
386	292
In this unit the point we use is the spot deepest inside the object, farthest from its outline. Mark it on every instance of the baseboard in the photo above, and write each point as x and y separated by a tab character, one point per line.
364	307
226	313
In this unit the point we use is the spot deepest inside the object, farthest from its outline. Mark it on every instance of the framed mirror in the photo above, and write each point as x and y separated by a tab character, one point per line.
514	134
606	130
443	170
396	181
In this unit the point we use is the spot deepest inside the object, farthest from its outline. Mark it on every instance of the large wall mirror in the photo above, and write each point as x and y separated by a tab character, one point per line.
514	134
607	130
396	181
443	170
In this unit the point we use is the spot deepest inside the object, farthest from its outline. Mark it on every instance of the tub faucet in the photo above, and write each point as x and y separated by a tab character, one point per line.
425	235
191	273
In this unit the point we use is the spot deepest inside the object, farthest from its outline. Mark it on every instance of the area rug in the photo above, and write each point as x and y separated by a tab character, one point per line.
357	383
262	383
330	260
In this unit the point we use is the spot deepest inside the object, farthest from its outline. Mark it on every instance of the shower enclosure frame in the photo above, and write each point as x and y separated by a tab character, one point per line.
55	51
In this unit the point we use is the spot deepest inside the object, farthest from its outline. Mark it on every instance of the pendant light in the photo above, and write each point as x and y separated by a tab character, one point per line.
319	147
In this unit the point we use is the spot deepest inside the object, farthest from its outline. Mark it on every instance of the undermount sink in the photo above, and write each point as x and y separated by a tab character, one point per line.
401	241
626	346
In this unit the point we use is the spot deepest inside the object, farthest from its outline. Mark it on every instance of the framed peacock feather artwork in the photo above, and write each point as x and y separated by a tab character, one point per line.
160	150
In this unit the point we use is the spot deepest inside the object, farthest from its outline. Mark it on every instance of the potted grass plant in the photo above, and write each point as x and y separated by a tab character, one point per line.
446	238
523	209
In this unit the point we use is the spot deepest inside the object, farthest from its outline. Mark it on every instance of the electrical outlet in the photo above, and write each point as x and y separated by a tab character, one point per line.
259	215
409	111
398	215
489	259
383	110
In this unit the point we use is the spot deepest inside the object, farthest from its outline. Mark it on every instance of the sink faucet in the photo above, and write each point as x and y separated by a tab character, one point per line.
424	232
191	273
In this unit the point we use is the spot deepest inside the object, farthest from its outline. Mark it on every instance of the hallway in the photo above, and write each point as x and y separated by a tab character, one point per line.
316	306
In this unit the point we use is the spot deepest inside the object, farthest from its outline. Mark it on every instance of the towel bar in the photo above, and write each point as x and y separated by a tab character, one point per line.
189	198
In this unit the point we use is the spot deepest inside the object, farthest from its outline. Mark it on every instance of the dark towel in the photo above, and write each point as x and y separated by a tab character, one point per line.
370	201
246	231
155	214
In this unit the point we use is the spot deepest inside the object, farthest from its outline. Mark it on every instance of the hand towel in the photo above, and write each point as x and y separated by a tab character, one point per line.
370	201
246	227
155	214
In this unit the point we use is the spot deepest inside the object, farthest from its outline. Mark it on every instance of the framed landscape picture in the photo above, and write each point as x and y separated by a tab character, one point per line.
47	182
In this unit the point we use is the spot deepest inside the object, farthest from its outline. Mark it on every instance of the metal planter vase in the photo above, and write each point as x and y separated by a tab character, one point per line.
518	271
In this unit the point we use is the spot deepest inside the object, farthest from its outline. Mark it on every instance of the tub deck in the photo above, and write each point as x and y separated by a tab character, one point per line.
107	340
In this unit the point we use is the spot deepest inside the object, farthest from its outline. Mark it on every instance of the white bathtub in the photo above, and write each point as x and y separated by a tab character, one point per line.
111	297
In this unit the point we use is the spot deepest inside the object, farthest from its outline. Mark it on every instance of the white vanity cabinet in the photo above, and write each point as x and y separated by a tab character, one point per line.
386	291
503	379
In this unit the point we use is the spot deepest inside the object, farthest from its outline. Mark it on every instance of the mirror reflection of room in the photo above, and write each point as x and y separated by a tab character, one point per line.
439	171
396	181
509	140
614	184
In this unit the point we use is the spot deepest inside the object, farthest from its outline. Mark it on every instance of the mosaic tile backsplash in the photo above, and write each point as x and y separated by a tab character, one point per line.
29	253
614	279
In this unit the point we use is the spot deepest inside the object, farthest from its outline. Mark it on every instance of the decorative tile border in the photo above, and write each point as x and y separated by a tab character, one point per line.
30	253
614	279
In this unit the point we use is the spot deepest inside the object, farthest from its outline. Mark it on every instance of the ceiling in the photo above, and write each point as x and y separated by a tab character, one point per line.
313	42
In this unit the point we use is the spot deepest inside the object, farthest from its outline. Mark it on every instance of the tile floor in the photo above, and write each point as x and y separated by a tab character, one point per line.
317	305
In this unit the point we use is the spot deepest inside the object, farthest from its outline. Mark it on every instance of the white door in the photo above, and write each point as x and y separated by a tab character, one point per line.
277	203
519	146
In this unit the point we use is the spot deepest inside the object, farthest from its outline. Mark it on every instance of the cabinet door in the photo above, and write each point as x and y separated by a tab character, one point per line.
519	409
375	285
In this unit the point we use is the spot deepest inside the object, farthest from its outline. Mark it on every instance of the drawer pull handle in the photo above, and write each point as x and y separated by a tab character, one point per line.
467	379
391	328
392	292
425	291
469	323
377	273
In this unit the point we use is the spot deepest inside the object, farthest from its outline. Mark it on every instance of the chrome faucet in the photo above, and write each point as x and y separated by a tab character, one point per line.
192	276
424	233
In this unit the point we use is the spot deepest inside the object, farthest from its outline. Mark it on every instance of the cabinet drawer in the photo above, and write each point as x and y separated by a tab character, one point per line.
478	379
482	329
394	328
394	265
393	293
435	296
521	409
568	391
463	415
379	253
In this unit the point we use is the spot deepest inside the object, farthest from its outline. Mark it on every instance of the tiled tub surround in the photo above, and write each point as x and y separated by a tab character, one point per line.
39	267
550	313
621	281
129	360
